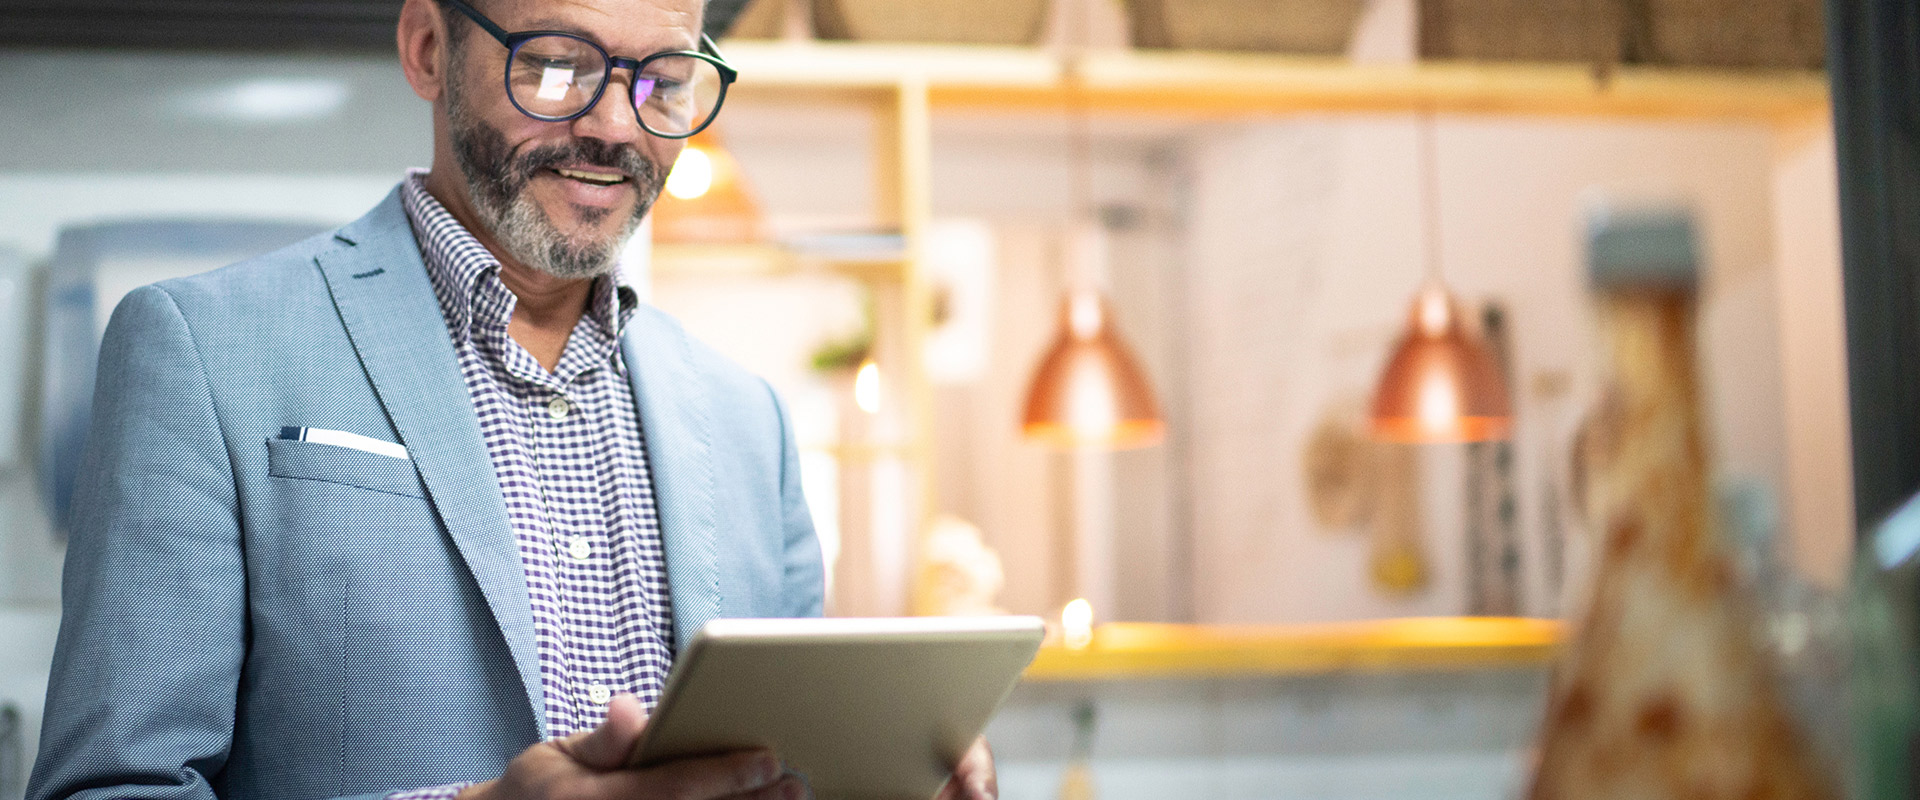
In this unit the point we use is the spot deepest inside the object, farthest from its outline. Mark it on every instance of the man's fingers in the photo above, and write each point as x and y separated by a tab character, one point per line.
961	788
979	757
790	787
710	778
608	746
974	777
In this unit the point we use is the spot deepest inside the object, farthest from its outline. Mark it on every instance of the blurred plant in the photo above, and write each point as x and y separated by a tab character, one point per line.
847	353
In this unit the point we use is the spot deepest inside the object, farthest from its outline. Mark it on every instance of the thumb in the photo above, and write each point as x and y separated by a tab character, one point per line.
608	746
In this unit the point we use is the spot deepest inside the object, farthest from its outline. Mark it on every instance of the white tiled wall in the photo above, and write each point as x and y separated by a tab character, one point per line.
1444	776
26	652
1427	735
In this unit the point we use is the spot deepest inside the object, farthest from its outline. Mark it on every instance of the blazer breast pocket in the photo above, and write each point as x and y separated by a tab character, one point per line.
327	463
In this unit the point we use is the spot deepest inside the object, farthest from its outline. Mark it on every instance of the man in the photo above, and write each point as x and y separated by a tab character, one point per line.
424	507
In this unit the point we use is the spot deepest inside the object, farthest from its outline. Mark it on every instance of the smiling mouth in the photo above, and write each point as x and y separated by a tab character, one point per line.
591	177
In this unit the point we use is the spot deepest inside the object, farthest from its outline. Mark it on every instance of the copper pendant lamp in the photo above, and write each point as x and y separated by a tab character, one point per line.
1089	392
706	199
1441	383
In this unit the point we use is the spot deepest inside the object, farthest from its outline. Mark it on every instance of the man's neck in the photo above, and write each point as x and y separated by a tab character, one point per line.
545	307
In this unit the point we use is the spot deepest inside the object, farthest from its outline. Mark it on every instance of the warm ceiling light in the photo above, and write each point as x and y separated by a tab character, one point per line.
692	174
1441	384
706	199
866	387
1088	391
1076	624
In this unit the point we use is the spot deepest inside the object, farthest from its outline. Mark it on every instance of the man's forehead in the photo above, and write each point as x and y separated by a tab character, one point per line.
620	25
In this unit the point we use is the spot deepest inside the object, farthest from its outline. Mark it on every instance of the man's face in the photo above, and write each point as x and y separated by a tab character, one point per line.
541	187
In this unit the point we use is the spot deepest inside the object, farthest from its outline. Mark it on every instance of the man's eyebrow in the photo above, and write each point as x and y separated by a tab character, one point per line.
559	26
551	24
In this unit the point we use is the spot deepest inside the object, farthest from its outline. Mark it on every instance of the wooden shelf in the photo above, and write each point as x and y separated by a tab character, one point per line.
863	451
1144	650
769	260
1234	84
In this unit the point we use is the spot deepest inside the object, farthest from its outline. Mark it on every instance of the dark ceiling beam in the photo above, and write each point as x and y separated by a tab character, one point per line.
257	25
249	25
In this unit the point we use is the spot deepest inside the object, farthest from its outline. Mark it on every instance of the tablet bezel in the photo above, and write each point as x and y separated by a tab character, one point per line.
967	666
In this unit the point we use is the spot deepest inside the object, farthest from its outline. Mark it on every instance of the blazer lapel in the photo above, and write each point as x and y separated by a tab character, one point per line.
381	290
679	439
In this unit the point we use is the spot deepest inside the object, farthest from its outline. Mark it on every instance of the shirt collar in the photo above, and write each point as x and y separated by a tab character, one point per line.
466	275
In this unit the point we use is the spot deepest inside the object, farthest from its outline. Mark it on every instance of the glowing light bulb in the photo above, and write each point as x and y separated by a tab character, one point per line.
866	387
1083	315
1436	311
1076	624
692	174
1438	403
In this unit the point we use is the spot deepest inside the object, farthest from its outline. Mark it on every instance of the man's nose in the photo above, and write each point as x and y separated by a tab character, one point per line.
612	119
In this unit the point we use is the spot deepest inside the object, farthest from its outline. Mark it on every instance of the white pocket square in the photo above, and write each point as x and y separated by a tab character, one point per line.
351	441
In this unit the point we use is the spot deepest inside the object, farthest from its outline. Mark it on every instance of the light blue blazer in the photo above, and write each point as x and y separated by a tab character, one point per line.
249	617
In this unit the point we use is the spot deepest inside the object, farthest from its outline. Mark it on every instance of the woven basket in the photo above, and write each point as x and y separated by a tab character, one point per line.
1693	33
1521	30
1005	22
1738	33
1281	26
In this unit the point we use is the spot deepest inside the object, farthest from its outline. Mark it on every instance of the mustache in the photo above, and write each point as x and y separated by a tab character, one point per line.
588	152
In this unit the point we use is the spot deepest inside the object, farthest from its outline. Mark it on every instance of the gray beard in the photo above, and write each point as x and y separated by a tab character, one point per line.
496	189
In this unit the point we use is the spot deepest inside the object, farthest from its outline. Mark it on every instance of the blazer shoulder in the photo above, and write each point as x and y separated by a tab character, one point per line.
288	274
269	277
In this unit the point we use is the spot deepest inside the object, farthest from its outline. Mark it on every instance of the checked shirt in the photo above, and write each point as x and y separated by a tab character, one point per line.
570	454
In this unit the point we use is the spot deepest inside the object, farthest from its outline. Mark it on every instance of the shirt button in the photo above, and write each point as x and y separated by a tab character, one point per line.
558	407
578	548
599	694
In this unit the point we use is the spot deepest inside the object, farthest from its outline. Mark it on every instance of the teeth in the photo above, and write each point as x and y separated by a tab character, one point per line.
608	178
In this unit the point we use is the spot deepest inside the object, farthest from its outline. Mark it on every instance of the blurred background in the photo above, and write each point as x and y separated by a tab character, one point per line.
1226	206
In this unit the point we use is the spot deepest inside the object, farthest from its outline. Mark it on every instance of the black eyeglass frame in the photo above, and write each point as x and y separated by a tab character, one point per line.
708	52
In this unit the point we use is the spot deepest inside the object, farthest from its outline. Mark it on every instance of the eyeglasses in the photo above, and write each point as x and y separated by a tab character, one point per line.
554	76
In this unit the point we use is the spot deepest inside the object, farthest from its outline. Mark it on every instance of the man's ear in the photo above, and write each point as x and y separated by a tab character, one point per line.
422	37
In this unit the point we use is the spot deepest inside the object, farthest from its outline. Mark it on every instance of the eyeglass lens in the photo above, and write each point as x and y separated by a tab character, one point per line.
557	76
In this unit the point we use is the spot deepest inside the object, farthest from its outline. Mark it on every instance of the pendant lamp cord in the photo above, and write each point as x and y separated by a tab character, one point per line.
1079	148
1430	195
1074	18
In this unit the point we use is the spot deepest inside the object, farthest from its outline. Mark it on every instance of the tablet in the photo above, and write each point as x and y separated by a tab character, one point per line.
862	708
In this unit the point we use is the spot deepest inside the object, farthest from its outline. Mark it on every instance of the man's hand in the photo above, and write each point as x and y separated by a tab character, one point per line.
592	764
973	778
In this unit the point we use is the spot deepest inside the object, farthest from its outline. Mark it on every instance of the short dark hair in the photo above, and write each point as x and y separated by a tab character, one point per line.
457	25
457	33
